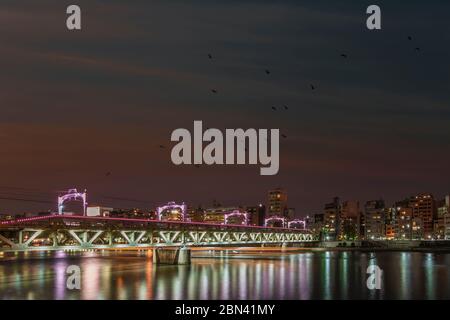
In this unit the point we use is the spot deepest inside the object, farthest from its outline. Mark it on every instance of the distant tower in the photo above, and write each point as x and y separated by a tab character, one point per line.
331	218
277	203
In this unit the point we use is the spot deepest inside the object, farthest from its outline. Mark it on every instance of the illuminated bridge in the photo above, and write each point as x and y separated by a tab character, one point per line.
61	232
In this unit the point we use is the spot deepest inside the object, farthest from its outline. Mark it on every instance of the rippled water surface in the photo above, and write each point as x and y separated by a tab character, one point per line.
306	275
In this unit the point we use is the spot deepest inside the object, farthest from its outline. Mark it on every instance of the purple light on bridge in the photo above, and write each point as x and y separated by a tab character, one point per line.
172	206
72	195
237	213
297	221
137	220
275	218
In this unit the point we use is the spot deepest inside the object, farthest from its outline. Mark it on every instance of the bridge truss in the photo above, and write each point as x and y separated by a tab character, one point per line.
78	232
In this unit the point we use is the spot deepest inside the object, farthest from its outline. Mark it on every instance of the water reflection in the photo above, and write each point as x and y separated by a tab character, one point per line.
307	275
343	275
405	274
429	278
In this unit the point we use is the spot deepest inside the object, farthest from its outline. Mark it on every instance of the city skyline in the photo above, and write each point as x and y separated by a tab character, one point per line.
276	203
213	203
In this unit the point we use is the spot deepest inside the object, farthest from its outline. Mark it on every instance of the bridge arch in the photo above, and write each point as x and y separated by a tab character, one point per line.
236	213
297	221
72	195
275	219
172	212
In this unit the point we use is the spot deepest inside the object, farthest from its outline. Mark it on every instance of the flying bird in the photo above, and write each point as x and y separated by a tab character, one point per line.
312	87
283	135
344	55
285	107
417	49
210	55
161	146
267	71
409	38
274	108
214	91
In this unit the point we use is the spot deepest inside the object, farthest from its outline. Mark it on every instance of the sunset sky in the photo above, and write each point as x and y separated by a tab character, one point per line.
76	105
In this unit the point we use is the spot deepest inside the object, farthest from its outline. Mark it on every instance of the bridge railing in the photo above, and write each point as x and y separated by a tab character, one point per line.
83	221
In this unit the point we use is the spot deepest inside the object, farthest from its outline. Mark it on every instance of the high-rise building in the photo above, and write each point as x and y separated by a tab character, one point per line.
257	214
447	218
442	208
374	220
391	222
390	231
423	208
318	225
447	226
349	220
417	230
331	216
403	225
195	214
277	204
218	214
362	225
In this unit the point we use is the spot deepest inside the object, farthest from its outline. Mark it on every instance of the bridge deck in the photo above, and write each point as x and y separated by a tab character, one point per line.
72	232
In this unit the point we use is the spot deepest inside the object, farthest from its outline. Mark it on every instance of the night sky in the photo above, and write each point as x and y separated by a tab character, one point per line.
78	105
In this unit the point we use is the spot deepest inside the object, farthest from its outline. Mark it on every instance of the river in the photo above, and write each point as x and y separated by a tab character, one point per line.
231	275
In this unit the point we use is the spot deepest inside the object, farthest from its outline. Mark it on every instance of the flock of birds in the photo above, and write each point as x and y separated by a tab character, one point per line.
268	72
274	108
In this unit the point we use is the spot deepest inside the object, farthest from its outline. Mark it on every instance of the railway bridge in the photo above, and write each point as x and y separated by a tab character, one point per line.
61	232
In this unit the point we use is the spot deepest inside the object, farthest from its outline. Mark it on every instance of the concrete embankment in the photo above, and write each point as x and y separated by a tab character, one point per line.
386	245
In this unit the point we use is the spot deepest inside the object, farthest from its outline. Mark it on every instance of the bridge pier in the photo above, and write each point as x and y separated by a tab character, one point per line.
180	255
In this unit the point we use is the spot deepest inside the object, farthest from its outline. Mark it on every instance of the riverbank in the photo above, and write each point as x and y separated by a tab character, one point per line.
206	251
